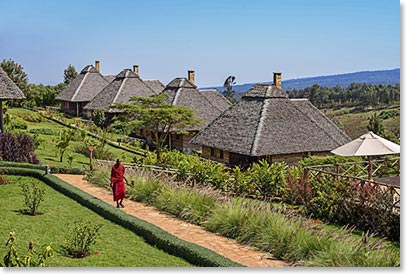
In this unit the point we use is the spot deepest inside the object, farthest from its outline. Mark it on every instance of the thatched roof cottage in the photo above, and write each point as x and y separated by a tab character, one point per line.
125	85
207	105
8	90
266	124
82	90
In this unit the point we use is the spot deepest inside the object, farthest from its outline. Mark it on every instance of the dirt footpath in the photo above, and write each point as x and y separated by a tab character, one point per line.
229	248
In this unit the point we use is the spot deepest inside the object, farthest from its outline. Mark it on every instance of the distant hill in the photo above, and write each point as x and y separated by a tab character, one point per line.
385	77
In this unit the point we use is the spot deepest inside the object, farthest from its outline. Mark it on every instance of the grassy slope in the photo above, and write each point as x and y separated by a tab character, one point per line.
48	154
116	245
355	124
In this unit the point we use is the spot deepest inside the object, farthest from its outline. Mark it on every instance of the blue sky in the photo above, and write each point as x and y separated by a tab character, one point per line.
247	39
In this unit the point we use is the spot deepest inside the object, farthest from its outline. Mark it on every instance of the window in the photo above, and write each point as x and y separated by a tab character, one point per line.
221	154
212	151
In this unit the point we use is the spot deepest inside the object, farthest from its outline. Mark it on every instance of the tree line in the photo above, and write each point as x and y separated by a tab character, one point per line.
36	95
354	95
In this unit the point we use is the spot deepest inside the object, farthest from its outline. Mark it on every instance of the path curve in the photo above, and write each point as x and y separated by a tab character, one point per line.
229	248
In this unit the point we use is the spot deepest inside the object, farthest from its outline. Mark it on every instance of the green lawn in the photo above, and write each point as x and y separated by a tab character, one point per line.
48	154
116	245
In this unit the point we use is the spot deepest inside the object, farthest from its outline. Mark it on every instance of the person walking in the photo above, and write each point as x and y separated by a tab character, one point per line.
117	183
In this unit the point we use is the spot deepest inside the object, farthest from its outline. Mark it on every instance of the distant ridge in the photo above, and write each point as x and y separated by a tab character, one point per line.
385	77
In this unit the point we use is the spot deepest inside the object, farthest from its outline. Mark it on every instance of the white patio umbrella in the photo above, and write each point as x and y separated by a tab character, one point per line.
368	144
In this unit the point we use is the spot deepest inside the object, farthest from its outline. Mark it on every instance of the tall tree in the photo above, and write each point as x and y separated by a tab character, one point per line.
228	91
69	74
16	73
155	115
375	125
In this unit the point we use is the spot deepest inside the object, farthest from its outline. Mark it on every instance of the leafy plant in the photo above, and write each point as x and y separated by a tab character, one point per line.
33	196
12	259
81	236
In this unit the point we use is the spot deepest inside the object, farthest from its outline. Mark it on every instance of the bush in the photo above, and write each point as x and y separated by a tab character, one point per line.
32	117
44	131
81	236
325	160
17	148
144	189
33	196
13	259
387	114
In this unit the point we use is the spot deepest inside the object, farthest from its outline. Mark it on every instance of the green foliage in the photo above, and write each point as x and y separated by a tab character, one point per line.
12	122
81	236
190	204
387	114
12	259
144	189
16	73
228	92
354	95
155	115
43	131
98	117
63	142
69	74
375	125
42	96
269	179
70	158
325	160
33	196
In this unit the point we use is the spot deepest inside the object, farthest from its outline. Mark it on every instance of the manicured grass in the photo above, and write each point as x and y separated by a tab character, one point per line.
116	245
48	154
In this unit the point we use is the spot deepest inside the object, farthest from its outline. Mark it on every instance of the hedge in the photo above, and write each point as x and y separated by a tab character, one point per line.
152	234
54	169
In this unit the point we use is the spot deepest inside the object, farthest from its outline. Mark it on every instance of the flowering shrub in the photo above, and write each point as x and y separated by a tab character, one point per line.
3	179
12	259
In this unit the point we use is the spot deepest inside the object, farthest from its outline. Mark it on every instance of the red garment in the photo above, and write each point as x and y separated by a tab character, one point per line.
117	179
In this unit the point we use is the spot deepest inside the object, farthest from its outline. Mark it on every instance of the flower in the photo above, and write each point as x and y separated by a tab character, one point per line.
97	252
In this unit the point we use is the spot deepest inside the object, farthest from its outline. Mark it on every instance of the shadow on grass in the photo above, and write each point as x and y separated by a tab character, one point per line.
25	212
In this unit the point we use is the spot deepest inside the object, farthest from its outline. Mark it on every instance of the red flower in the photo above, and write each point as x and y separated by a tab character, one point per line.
97	252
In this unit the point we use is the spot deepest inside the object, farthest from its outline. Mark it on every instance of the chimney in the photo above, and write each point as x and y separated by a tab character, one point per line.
277	79
97	66
135	69
191	76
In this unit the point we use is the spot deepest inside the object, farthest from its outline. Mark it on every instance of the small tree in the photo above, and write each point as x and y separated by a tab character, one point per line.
157	116
69	74
81	236
98	117
228	92
33	196
375	125
63	142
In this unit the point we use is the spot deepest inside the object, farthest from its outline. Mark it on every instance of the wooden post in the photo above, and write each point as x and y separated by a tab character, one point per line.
91	148
369	168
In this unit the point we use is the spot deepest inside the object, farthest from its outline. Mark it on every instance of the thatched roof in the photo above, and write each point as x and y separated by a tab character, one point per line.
182	92
126	84
267	122
8	89
155	85
216	98
109	77
84	87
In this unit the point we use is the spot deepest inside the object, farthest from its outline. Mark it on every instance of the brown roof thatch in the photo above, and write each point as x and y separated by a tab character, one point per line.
155	85
182	92
84	87
217	99
267	122
8	89
126	84
109	77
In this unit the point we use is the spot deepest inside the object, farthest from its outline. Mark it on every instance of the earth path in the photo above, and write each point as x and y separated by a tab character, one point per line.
226	247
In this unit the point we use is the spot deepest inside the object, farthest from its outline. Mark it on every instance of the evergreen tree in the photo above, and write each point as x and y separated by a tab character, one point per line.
69	74
228	92
375	125
16	73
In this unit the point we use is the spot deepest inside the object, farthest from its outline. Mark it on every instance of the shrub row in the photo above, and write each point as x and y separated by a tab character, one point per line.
266	226
53	169
153	235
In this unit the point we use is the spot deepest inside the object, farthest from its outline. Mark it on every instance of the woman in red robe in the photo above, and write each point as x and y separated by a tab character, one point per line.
117	183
